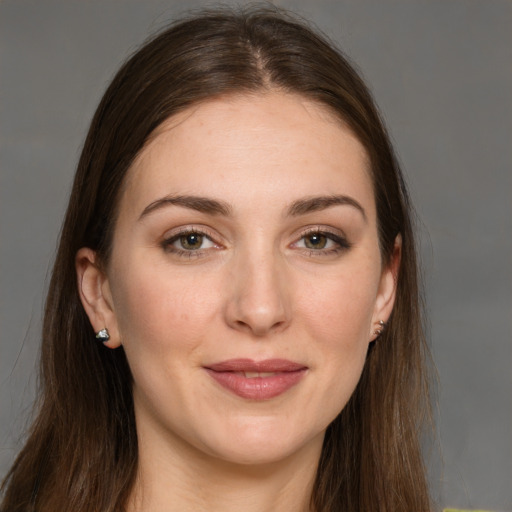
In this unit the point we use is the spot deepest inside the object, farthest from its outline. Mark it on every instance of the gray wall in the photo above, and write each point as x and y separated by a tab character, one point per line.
441	72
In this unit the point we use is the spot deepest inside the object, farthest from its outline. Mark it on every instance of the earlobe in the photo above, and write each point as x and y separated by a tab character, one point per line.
94	291
387	291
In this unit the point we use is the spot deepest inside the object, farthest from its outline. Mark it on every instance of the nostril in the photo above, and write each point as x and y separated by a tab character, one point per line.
259	328
258	301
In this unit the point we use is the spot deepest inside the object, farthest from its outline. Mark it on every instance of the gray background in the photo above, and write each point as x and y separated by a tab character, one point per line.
442	75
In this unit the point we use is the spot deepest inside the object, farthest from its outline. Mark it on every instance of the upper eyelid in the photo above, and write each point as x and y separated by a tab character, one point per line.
219	239
183	230
335	235
169	239
320	229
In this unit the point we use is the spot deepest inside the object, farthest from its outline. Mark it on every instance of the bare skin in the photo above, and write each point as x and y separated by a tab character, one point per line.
247	230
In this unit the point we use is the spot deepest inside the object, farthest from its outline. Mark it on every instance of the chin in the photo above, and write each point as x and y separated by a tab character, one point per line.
259	446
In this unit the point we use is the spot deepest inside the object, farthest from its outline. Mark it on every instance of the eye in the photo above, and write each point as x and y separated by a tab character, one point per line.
316	241
192	242
189	242
321	242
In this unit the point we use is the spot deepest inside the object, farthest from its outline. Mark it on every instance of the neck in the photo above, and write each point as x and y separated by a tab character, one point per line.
184	479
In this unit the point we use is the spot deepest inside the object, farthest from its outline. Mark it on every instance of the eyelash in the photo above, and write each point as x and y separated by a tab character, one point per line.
167	244
341	243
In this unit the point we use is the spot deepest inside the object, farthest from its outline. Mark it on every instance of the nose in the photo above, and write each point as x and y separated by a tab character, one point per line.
258	298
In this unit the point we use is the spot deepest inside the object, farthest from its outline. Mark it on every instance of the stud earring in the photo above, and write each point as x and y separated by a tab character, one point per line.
380	329
103	335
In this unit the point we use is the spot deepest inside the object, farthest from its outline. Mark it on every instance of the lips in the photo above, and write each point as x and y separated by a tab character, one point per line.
257	380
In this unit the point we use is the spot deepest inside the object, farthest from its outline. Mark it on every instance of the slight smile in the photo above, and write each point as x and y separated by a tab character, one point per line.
257	380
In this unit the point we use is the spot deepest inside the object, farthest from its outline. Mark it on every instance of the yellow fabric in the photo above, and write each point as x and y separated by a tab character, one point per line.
461	510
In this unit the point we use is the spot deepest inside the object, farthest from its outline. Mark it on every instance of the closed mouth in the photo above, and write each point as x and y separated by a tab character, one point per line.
250	366
257	380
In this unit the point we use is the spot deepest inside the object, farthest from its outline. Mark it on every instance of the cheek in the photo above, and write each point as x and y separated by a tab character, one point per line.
337	316
339	308
340	328
158	310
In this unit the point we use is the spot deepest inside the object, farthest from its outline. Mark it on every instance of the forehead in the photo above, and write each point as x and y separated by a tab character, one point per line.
244	145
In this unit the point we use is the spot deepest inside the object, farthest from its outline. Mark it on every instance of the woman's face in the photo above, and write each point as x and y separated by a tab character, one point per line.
245	282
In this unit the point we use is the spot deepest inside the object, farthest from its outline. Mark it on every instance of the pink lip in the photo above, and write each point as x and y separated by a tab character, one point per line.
230	375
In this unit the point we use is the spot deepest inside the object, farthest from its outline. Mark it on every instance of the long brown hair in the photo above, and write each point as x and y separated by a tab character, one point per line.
81	453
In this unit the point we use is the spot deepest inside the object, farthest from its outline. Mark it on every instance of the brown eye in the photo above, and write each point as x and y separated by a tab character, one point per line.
191	241
315	241
322	243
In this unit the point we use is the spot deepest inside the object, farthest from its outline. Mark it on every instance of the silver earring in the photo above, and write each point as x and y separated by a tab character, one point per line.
103	335
380	329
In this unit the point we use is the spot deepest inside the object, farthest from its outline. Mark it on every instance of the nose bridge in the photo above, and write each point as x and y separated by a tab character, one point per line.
258	301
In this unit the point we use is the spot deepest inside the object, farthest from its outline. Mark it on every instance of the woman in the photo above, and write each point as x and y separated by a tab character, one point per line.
233	320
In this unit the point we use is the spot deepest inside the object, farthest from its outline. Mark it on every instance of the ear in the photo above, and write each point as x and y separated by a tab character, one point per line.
387	290
94	290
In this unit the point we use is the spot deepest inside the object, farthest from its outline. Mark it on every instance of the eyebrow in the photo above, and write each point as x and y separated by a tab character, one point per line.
216	207
200	204
318	203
